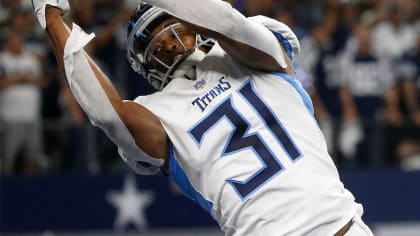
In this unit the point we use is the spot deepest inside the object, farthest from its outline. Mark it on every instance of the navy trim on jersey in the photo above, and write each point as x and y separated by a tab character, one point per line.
178	176
285	44
296	85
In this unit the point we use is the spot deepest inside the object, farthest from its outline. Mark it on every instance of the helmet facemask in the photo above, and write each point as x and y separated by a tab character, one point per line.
141	50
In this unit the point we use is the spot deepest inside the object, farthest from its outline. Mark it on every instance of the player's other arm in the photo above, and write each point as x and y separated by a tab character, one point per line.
247	41
143	125
246	54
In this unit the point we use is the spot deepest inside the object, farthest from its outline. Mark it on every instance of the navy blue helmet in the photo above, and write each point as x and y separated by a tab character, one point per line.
140	53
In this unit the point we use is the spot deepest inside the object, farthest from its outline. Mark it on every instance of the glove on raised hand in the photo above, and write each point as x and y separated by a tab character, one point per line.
39	7
287	36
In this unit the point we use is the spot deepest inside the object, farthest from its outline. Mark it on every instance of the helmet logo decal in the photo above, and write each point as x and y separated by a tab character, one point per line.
200	84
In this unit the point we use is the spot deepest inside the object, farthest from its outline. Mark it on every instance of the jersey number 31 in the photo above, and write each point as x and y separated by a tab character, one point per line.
241	139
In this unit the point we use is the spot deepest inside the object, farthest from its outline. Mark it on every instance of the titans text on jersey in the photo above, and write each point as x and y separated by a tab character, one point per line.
203	101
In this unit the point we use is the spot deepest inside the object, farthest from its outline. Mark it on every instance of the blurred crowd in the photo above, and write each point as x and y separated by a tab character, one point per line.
359	61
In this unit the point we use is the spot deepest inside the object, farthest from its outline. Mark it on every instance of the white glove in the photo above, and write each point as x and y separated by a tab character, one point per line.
290	40
351	134
39	6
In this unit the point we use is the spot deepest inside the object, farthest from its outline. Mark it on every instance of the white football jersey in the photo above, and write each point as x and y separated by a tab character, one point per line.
246	147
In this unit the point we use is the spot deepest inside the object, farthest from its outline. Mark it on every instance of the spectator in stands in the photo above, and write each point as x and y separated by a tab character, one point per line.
403	111
319	66
408	71
21	81
21	20
399	34
366	78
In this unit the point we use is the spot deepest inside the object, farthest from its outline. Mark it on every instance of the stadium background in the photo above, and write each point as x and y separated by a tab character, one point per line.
81	187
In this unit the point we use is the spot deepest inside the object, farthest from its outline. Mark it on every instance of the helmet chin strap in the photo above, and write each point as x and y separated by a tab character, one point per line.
187	69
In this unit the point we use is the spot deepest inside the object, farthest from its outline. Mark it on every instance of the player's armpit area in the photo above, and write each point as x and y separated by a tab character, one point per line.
147	130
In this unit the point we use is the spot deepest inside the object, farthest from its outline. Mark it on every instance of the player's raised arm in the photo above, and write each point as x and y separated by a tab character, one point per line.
128	125
243	38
